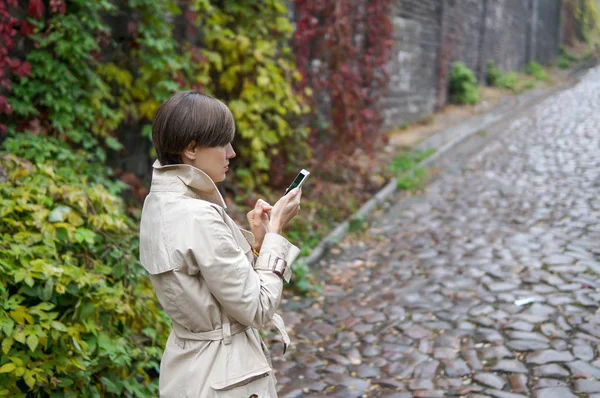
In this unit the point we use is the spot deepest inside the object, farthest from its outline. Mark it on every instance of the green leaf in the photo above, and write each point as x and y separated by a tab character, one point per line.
58	326
59	214
32	342
62	234
8	326
86	310
46	292
110	386
113	144
85	235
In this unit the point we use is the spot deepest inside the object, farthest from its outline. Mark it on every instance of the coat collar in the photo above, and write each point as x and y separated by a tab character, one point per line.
185	179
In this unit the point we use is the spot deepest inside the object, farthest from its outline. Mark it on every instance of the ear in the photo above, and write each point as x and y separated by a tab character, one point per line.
190	151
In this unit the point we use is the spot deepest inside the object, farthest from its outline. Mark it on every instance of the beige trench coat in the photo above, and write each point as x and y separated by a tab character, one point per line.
215	290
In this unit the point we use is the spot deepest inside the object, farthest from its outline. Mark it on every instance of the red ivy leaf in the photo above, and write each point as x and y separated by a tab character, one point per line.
5	106
27	28
24	69
58	6
35	127
6	84
36	8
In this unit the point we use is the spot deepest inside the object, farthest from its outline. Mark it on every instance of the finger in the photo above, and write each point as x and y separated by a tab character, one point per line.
264	203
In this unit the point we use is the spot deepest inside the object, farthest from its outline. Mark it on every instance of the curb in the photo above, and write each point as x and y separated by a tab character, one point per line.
442	141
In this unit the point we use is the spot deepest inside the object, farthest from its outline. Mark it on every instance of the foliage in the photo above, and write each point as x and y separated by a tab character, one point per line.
586	12
245	59
537	71
357	225
463	84
62	95
405	166
342	48
493	74
78	318
528	85
408	160
563	62
86	78
413	179
509	81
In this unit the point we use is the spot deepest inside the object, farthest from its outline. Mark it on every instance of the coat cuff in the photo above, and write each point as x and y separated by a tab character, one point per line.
249	237
277	255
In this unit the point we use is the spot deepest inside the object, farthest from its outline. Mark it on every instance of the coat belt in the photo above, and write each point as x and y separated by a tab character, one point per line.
227	330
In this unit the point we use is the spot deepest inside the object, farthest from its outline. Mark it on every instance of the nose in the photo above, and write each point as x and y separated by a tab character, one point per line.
230	152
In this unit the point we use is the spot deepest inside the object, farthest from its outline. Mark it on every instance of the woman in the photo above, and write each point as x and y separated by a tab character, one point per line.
217	282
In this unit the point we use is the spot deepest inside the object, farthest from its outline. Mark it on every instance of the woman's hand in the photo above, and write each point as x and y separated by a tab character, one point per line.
284	210
258	218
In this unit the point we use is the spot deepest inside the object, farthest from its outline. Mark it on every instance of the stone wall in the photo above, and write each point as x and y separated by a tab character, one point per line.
547	32
431	35
414	66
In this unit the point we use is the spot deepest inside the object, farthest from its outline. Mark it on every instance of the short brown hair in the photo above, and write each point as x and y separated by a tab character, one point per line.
188	117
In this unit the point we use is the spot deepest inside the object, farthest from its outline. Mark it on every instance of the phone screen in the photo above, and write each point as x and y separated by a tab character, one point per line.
296	182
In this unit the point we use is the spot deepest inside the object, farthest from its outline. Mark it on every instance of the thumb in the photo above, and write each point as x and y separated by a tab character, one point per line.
293	193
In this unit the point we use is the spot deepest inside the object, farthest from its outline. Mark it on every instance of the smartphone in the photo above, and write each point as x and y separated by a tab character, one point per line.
298	181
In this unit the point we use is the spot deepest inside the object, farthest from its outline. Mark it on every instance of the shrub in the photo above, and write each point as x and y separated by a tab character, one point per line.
463	84
493	74
529	85
536	70
78	317
563	62
509	81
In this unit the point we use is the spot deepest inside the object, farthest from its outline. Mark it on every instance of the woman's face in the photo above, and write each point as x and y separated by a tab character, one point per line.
212	161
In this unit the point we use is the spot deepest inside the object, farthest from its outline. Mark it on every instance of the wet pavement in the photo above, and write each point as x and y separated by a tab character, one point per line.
487	285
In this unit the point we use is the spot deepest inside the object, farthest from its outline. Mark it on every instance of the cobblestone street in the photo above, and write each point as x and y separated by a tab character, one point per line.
487	285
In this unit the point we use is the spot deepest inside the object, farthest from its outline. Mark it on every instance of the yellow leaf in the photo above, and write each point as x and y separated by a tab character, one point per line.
148	108
20	315
29	379
7	345
7	368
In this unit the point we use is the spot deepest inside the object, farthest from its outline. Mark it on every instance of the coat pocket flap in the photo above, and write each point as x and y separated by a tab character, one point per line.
240	380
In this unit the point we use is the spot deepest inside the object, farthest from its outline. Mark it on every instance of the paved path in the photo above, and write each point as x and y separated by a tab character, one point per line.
485	286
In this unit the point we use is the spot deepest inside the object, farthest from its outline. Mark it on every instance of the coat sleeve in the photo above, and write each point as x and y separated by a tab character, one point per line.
248	295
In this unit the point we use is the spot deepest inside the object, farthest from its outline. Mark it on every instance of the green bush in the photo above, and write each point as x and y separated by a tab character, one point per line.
493	74
463	84
78	316
529	85
509	81
563	62
536	70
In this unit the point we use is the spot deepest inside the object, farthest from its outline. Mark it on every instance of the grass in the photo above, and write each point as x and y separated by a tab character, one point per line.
409	159
517	82
405	166
357	225
413	179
